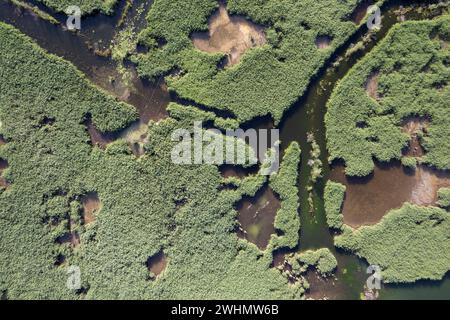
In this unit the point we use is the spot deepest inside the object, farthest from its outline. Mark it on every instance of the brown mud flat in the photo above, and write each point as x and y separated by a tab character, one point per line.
256	217
323	42
412	126
372	85
322	288
232	35
157	263
149	99
368	199
91	206
99	138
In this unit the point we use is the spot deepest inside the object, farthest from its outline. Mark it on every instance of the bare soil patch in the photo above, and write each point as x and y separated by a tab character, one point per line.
372	85
91	206
413	126
232	35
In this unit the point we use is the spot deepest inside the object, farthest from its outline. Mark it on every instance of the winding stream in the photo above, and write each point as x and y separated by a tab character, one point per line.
305	116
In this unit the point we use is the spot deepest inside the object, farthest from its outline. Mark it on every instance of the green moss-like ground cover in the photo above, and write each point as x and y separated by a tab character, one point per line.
148	203
268	79
413	67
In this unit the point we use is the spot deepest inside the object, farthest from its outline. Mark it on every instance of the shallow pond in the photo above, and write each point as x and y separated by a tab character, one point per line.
256	217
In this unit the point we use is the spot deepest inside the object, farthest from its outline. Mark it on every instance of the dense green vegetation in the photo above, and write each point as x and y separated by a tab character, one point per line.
148	203
408	244
268	79
411	71
86	6
333	198
284	183
192	114
444	197
321	259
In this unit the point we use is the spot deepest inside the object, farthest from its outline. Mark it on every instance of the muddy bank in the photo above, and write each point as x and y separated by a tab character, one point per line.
99	138
372	86
91	206
256	217
232	35
82	49
156	264
71	238
414	127
3	166
360	12
368	199
228	170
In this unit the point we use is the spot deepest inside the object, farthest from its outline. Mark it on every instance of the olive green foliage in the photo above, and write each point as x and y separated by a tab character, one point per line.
444	197
334	197
408	244
284	183
149	204
192	114
409	162
86	6
269	78
322	259
412	64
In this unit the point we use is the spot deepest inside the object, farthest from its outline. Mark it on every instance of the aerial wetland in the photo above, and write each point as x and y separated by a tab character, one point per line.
87	176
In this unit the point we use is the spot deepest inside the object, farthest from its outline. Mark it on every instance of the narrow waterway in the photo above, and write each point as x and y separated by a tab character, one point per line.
308	116
305	116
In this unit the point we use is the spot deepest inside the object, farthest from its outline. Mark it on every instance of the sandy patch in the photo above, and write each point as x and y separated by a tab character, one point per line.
371	85
91	206
428	182
232	35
